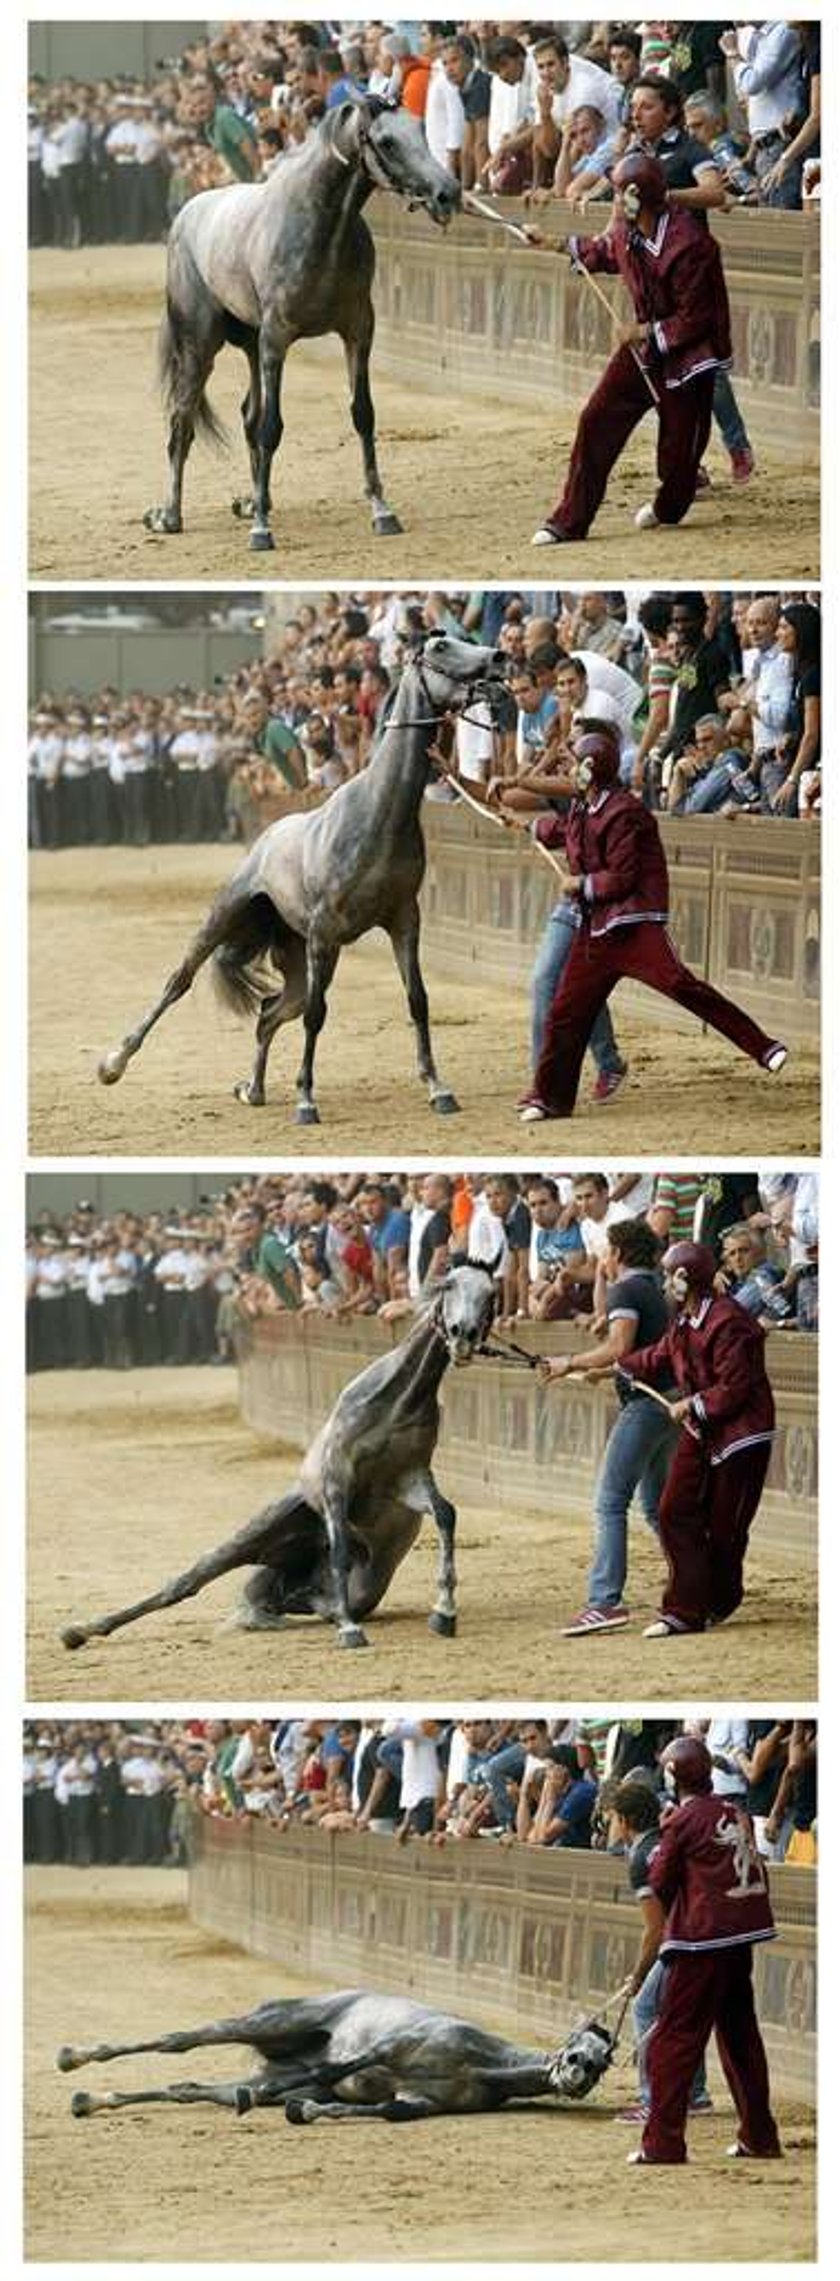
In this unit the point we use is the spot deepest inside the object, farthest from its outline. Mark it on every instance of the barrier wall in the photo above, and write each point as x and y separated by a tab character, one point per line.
471	309
506	1441
517	1939
745	910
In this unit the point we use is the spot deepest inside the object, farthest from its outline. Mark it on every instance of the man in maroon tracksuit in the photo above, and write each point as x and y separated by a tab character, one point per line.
713	1351
667	357
617	869
711	1885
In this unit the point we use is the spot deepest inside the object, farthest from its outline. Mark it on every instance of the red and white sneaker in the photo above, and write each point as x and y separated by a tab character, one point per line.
635	2114
596	1620
607	1083
742	464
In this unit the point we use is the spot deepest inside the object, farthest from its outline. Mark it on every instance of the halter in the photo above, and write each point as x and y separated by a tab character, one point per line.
451	711
370	159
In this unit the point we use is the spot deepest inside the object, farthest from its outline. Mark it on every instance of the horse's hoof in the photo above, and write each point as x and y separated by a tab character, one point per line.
300	2111
80	2104
110	1069
306	1113
65	2059
445	1626
252	1100
161	519
244	2099
445	1105
243	509
72	1637
261	542
352	1635
386	526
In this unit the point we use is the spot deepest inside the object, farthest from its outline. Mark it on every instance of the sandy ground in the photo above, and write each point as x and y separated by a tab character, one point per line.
108	924
97	462
133	1475
111	1953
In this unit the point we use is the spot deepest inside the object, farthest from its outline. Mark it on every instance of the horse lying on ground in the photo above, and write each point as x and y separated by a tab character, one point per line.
358	2057
313	883
331	1545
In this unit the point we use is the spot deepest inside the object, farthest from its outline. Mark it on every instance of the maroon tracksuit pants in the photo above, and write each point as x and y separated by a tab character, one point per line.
615	408
709	1988
646	954
705	1513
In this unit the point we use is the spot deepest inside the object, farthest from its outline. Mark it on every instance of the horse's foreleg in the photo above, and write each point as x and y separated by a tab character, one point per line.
357	352
443	1617
335	1511
250	1544
402	2108
405	942
268	439
320	968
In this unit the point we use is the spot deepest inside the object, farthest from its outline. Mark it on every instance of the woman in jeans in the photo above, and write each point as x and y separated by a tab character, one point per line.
642	1440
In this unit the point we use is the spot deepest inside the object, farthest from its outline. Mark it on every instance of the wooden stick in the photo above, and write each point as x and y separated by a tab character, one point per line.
481	808
582	271
480	206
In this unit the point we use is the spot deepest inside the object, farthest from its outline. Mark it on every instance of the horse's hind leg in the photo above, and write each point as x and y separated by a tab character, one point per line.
405	943
176	2094
257	1541
357	350
208	939
321	963
188	353
251	410
282	1006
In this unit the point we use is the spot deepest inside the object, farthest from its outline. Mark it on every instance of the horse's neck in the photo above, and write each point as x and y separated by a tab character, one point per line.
399	767
424	1358
336	190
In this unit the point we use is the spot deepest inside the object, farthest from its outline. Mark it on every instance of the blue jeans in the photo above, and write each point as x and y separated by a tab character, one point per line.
716	787
727	415
552	958
645	2014
637	1456
507	1765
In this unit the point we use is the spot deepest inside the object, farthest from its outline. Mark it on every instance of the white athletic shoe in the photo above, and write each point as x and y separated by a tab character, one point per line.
647	519
775	1059
545	537
659	1630
533	1115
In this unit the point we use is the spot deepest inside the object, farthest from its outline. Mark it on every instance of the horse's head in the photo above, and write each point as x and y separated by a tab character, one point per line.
453	671
464	1308
389	145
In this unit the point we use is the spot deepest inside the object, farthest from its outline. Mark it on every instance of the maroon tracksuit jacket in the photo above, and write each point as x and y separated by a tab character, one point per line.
677	286
616	847
709	1877
718	1470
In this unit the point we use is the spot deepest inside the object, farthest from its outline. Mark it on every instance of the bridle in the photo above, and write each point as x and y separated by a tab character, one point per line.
453	710
371	160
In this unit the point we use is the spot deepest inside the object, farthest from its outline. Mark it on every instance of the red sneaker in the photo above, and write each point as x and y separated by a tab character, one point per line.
607	1083
742	464
596	1620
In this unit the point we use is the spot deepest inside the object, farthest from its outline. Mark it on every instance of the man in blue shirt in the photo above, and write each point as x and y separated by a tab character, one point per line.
388	1229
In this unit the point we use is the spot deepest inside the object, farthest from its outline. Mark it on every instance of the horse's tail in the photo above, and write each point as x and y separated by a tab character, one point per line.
174	362
254	941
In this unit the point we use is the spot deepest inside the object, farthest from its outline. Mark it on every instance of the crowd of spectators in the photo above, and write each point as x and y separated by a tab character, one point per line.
128	1289
111	1791
514	106
716	699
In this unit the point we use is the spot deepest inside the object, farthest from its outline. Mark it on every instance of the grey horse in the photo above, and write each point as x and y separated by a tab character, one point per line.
261	265
330	1547
314	882
349	2057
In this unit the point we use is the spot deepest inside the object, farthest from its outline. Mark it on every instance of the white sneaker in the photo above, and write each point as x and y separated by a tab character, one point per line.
775	1059
545	537
533	1115
659	1630
647	519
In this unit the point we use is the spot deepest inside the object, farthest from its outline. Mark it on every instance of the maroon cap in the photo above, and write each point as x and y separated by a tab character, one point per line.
638	170
697	1261
600	756
690	1763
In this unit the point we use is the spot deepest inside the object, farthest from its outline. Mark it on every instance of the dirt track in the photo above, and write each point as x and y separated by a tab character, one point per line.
470	477
107	924
111	1952
133	1475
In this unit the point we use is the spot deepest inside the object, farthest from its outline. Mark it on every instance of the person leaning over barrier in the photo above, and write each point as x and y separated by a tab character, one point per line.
669	355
